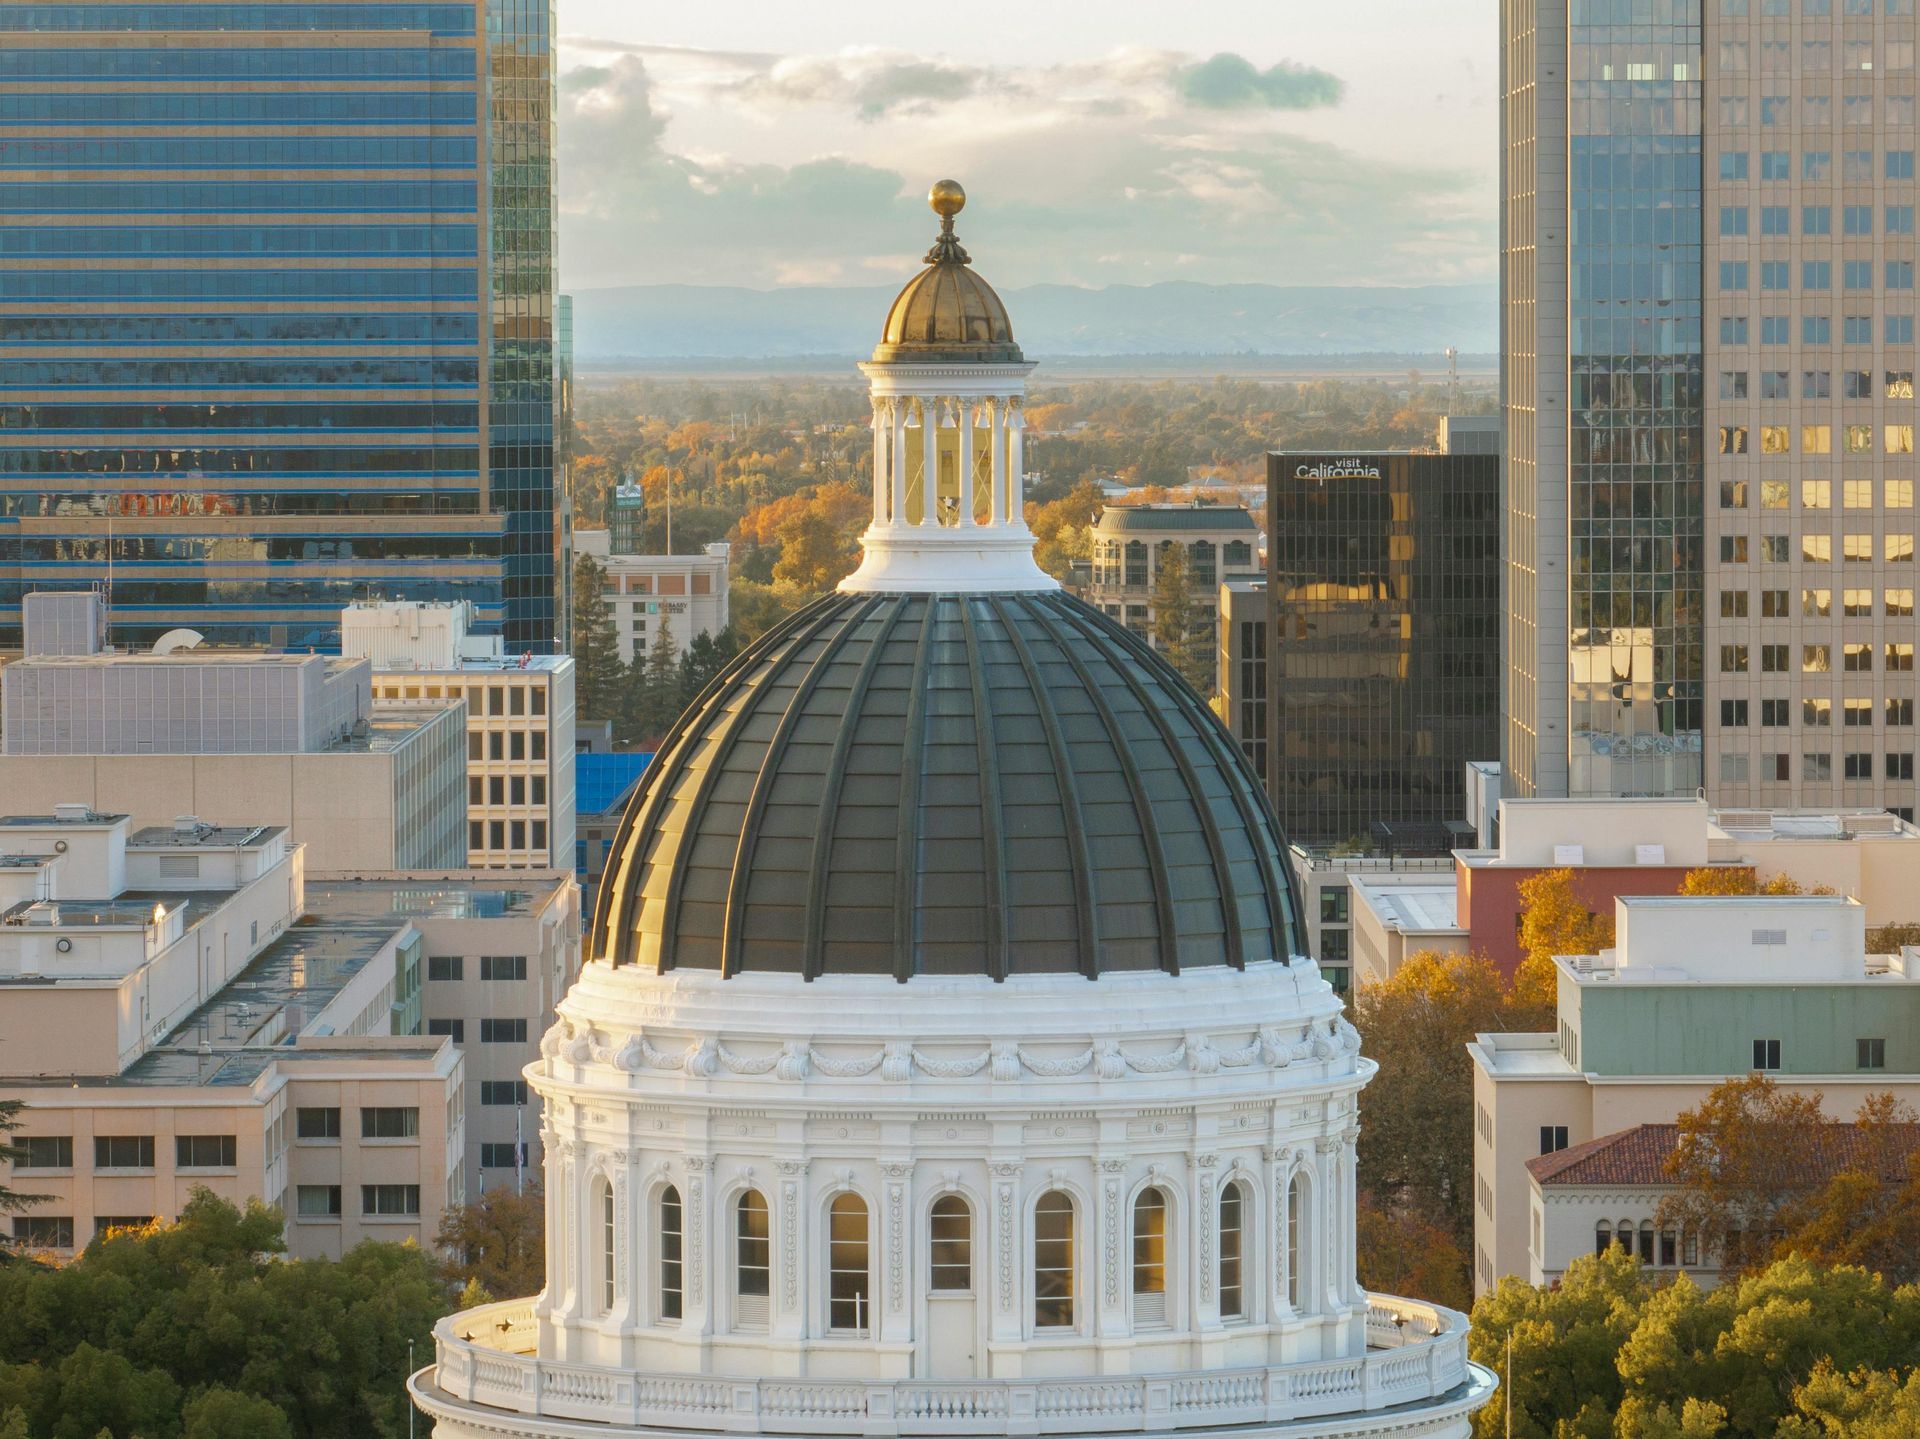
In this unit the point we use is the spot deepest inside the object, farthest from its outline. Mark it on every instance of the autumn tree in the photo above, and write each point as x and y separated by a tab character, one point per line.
1554	920
1180	630
498	1241
1063	528
1863	1404
1416	1132
599	674
1740	1161
1742	879
815	553
1868	1212
1405	1254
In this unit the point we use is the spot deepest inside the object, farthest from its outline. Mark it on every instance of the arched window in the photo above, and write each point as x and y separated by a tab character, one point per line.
1233	1222
1294	1208
1053	1260
672	1275
1602	1237
608	1229
752	1256
951	1240
849	1287
1150	1257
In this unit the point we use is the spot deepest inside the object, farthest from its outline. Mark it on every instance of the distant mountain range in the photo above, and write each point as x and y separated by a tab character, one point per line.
654	322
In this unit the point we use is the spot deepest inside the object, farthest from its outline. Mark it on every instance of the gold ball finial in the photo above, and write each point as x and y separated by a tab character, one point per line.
947	198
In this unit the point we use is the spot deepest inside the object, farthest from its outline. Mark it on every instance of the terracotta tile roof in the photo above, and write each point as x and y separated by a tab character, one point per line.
1638	1156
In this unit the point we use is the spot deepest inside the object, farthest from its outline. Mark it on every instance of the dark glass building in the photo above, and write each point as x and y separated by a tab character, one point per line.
1383	586
276	313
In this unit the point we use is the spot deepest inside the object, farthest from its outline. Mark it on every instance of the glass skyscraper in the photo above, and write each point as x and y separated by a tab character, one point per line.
276	312
1708	312
1603	389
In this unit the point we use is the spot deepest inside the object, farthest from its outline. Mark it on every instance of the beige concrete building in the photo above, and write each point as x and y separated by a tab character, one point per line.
687	594
519	722
1695	991
389	795
177	1015
1394	916
1222	543
499	951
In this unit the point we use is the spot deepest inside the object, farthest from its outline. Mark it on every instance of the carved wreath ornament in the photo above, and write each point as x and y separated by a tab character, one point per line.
896	1062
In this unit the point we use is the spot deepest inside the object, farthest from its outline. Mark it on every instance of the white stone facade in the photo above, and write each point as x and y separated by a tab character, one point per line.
694	1091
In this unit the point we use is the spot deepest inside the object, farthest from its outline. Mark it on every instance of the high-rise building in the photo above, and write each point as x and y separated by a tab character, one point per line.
1708	230
276	295
1383	587
1601	380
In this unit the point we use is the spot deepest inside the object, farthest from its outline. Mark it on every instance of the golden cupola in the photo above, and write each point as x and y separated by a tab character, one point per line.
947	312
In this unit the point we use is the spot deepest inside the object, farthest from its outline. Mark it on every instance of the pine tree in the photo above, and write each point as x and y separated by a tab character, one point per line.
1179	621
599	675
659	683
12	1201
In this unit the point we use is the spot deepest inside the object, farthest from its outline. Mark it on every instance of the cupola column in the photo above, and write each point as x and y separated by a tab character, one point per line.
963	413
882	447
997	419
1016	460
898	511
930	417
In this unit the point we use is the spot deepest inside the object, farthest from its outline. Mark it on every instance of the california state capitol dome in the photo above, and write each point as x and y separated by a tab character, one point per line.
946	1063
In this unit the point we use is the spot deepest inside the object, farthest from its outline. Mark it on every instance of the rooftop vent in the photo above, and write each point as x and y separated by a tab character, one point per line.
47	914
190	826
74	814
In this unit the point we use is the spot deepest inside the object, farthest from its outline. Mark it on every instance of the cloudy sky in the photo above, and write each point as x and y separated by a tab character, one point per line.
791	142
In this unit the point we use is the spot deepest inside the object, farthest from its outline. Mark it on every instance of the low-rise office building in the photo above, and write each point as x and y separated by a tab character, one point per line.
684	594
1607	1193
1393	917
237	736
519	724
1221	542
1647	846
1324	878
499	950
1695	991
175	1015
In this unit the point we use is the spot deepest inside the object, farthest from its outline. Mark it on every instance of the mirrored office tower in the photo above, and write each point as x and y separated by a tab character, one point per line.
1601	376
1722	269
276	313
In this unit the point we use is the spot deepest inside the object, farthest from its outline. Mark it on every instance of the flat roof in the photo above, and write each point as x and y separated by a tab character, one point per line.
427	898
508	665
388	727
1415	908
177	658
94	820
130	909
207	836
1521	1054
1175	517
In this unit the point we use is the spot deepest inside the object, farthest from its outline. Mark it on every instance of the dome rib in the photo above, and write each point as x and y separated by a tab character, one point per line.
730	935
1142	803
907	837
995	784
1279	906
992	821
1085	912
619	882
1236	954
813	962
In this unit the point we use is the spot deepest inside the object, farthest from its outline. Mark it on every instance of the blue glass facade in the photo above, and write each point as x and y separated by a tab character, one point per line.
276	325
1635	456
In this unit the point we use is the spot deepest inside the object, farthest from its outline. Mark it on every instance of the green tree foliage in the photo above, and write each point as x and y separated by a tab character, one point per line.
705	658
498	1242
654	694
599	681
1180	629
1866	1404
197	1329
1613	1353
12	1201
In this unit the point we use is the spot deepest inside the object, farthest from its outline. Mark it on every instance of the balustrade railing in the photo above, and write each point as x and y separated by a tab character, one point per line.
1414	1351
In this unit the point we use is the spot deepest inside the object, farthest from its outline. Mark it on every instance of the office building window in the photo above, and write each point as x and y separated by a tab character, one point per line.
1766	1054
503	1031
317	1201
390	1122
1870	1053
445	966
205	1151
503	966
384	1201
316	1123
123	1151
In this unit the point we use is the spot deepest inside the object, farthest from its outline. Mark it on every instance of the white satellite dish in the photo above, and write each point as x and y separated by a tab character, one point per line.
178	640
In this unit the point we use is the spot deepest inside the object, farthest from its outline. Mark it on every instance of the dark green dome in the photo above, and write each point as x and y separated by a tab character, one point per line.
947	785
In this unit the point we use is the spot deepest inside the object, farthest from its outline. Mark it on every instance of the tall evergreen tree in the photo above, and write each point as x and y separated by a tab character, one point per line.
599	675
1179	621
12	1201
658	686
